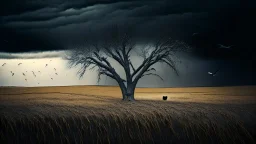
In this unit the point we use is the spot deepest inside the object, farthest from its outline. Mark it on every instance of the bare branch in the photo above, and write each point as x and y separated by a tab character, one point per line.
131	47
153	75
143	64
152	69
93	67
171	64
102	71
132	65
109	52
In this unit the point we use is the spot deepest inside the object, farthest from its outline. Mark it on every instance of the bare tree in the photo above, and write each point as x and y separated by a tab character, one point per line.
119	48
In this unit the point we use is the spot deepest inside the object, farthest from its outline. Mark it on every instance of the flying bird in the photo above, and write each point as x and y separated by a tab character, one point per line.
214	73
46	65
56	73
225	47
4	64
194	34
19	63
23	74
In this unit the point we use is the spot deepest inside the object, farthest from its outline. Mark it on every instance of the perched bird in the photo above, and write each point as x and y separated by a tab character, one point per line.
4	64
12	74
164	97
213	74
19	63
225	47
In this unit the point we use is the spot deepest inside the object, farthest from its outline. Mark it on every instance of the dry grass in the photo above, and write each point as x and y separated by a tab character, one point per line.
92	114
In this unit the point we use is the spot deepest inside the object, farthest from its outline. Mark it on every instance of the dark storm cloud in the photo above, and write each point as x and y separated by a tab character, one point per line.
13	7
48	17
34	55
12	40
66	22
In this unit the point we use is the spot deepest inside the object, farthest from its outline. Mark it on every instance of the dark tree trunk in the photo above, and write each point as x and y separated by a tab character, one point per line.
129	94
123	90
127	90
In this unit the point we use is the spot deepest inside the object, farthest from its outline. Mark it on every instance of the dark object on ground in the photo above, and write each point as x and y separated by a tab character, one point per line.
164	97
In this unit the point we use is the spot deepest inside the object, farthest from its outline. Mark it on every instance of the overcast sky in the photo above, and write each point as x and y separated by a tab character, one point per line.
40	30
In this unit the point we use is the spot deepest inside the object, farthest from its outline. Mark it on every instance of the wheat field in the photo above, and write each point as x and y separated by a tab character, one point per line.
96	114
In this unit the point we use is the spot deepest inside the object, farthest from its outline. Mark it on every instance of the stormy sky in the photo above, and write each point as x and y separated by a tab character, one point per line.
33	32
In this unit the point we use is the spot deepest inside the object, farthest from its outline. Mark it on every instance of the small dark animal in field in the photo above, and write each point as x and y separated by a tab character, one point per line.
164	97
